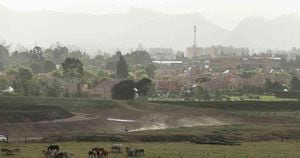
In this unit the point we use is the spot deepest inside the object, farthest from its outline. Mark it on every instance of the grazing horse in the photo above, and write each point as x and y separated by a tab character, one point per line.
97	150
116	148
48	154
104	154
140	152
91	154
62	155
135	152
53	148
130	151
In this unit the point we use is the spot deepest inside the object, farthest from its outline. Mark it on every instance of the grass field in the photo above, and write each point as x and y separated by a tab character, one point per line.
272	149
259	98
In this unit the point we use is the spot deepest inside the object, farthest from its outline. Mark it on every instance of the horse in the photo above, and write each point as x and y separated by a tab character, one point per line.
53	148
116	148
91	154
130	151
135	152
97	150
104	154
140	152
48	154
62	155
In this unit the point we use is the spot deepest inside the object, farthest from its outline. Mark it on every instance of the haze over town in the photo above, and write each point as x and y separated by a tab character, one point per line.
123	24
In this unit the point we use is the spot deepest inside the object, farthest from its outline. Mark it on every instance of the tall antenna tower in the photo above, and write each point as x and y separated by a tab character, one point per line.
195	36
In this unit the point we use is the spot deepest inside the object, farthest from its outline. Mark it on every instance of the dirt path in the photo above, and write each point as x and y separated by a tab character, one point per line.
75	118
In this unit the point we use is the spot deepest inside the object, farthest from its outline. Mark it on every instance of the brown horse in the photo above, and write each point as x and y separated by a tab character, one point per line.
104	154
91	154
97	150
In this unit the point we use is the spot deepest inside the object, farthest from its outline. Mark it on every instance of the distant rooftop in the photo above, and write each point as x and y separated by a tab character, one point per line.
167	62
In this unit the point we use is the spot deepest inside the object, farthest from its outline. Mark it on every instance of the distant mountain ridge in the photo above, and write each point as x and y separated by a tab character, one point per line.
152	29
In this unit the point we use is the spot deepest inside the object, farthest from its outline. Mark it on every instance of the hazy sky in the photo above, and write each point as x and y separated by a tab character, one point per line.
225	13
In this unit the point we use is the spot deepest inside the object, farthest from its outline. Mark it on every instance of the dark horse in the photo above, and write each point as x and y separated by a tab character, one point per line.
92	154
53	148
97	150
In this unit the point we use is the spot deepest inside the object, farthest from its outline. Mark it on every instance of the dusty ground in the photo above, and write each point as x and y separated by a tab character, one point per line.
134	116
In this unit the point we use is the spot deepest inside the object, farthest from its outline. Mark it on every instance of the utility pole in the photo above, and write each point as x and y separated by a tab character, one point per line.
195	36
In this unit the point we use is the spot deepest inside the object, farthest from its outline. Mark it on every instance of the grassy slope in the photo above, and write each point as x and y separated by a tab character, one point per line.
28	113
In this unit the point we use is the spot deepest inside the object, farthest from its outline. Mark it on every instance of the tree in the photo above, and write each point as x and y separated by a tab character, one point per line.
57	54
24	74
268	85
102	74
57	73
143	86
4	56
4	83
72	68
295	84
277	86
37	54
97	61
52	88
123	90
139	57
31	87
36	67
179	55
122	68
49	66
150	70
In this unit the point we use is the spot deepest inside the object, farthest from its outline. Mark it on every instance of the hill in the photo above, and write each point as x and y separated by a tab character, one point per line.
125	30
152	29
281	32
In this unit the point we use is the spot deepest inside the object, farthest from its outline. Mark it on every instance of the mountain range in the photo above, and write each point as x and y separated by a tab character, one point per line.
153	29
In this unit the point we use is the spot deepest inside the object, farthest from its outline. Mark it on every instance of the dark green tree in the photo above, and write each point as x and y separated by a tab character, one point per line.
72	68
295	84
37	55
49	66
123	90
52	88
24	74
139	57
4	83
36	67
143	86
122	68
57	54
4	56
150	70
31	87
268	85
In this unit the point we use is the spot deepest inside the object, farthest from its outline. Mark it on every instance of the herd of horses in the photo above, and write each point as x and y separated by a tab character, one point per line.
115	149
53	151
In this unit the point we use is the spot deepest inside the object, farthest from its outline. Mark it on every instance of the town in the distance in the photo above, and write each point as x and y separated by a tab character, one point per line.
212	73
